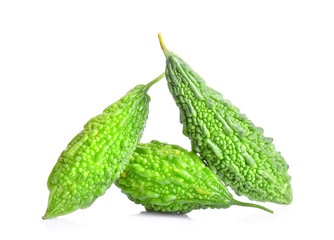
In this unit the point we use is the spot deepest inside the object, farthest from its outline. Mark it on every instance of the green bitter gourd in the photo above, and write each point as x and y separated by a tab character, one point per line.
98	154
168	178
226	139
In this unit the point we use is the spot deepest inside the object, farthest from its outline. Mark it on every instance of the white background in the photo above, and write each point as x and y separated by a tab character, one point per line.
63	62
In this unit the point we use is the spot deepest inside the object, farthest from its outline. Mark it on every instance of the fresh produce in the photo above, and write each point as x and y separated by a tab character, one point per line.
226	139
164	177
168	178
98	154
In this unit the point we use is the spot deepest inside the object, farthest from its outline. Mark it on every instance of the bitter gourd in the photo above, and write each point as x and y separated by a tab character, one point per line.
98	154
226	139
168	178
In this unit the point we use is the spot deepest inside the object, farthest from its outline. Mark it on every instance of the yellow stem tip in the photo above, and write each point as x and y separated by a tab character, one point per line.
163	47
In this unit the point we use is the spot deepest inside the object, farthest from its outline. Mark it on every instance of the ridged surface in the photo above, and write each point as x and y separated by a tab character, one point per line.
98	154
168	178
226	139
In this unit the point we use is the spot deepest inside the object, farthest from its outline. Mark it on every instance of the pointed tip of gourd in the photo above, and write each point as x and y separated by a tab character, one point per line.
49	215
235	202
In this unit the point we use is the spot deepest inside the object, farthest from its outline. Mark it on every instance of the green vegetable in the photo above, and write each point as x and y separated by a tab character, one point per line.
98	154
230	143
168	178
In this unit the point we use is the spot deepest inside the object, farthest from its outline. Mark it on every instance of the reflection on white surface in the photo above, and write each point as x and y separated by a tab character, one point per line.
146	214
60	224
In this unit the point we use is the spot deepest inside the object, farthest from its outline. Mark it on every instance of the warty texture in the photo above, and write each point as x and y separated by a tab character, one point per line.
98	154
168	178
226	139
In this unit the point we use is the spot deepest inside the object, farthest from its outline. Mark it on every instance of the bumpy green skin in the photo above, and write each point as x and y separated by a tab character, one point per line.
98	154
168	178
229	142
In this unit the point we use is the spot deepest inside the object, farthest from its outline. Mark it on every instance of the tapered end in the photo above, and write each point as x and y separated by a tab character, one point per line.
47	216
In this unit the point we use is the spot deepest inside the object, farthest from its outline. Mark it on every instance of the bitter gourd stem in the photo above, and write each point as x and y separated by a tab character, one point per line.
163	47
154	81
235	202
